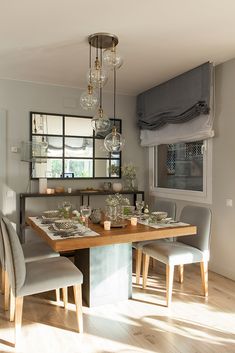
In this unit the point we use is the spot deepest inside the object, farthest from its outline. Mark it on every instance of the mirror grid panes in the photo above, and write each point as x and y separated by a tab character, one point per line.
67	147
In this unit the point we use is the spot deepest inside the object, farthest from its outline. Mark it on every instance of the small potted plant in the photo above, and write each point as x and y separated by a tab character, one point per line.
129	174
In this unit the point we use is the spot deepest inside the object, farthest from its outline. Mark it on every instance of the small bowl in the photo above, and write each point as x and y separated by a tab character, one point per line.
51	214
159	215
64	223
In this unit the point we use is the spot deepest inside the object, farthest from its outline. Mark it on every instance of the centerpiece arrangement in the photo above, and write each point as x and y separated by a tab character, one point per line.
114	208
129	177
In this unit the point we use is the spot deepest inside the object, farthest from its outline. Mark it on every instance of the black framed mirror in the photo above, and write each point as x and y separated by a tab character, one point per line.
66	146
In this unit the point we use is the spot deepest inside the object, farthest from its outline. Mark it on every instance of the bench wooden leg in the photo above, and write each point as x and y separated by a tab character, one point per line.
138	260
65	297
145	269
18	319
204	276
12	306
181	273
77	290
169	283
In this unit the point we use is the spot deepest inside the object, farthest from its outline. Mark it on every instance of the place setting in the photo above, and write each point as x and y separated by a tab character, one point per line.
65	222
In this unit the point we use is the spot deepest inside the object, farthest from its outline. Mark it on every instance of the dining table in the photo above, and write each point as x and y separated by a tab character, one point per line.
105	256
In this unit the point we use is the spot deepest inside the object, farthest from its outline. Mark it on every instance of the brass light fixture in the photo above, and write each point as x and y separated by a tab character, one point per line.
106	56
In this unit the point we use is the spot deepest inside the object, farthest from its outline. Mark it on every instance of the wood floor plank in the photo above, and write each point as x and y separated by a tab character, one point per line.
142	325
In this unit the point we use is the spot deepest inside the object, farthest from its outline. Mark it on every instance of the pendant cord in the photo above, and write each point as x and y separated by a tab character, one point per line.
90	64
114	96
101	66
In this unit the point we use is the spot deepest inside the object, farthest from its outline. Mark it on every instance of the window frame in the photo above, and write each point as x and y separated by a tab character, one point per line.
204	196
64	158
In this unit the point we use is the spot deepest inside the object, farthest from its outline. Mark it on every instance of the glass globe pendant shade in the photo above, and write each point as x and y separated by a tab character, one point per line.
89	99
100	121
97	76
112	59
114	142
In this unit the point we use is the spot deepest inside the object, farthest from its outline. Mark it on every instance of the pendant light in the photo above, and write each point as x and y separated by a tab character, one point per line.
100	122
105	45
114	142
89	99
111	58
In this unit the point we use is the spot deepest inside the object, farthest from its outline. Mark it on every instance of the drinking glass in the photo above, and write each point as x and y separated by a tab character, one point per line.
139	206
85	212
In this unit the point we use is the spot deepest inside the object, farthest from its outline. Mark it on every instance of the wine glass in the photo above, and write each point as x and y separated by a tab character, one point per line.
139	206
85	212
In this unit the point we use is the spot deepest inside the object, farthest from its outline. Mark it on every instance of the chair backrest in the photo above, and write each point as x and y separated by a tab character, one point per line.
14	257
200	217
167	206
2	251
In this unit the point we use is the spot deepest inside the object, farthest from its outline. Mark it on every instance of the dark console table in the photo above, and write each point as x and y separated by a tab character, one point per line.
80	193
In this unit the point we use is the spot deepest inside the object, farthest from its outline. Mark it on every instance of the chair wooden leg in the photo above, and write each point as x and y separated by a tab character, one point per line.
204	275
181	273
3	274
145	269
138	260
18	319
6	292
65	297
77	290
169	283
12	306
57	295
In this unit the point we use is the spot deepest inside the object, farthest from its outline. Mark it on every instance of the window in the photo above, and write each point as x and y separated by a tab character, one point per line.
66	147
182	170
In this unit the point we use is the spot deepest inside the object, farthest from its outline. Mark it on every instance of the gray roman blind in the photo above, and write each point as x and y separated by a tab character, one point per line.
176	101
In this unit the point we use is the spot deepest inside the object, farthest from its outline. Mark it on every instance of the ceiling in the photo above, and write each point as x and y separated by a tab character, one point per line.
46	41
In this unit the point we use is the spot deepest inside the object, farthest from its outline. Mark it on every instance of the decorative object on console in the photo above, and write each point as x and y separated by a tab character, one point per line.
129	177
117	187
42	185
107	185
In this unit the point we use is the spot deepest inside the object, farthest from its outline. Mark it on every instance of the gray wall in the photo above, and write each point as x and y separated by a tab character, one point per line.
17	99
223	230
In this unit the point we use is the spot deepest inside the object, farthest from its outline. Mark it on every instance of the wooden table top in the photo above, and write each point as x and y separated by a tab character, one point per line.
128	234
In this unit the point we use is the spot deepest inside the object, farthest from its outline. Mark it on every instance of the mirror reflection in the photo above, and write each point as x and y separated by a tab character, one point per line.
78	147
67	147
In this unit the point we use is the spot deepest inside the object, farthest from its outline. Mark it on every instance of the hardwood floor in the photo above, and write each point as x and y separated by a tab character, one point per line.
192	325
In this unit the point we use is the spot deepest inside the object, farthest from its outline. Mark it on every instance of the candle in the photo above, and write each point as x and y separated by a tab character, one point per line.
134	221
50	191
107	225
42	185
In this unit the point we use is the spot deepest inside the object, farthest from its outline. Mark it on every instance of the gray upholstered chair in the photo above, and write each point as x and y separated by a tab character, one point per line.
32	252
186	250
159	205
37	276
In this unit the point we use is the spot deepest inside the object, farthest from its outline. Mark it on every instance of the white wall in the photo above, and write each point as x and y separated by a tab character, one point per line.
19	98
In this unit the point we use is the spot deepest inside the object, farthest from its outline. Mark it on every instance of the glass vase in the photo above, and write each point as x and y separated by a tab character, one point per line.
130	184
